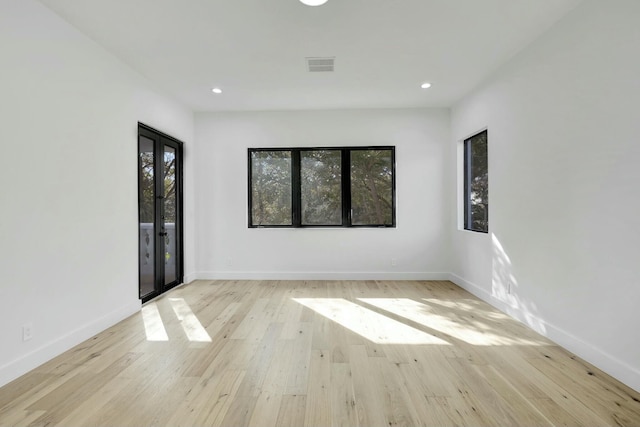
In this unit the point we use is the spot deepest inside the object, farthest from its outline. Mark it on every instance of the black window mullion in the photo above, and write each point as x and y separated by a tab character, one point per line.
296	192
346	188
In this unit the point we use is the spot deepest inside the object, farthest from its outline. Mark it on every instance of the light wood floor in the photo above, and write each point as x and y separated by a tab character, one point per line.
295	353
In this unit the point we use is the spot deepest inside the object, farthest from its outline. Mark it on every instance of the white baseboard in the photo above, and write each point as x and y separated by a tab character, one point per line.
618	369
48	351
188	278
319	275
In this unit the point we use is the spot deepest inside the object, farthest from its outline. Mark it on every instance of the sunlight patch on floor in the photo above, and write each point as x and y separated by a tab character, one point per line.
473	331
192	327
153	326
367	323
470	305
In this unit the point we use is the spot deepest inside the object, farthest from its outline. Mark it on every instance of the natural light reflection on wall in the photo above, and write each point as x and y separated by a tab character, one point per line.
153	326
461	326
190	323
504	285
368	324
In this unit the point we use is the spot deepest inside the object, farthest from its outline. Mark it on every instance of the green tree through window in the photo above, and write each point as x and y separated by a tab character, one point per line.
271	187
372	186
320	184
476	183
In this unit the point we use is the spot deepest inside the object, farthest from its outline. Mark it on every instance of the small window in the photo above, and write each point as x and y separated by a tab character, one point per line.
476	183
322	187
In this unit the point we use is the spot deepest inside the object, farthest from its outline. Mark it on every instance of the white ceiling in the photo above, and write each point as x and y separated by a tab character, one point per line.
255	49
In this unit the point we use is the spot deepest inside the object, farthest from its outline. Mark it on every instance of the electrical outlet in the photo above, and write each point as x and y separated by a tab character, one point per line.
394	262
229	262
27	331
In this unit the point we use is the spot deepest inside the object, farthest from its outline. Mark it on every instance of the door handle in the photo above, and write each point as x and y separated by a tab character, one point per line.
162	233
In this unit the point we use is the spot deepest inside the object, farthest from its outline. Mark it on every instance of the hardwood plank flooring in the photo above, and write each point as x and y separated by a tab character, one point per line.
318	353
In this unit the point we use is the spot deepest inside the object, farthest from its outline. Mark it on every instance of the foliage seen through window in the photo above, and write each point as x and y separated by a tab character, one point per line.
322	187
476	180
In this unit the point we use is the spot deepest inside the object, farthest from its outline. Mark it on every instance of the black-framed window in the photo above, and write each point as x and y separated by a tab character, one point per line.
322	187
476	183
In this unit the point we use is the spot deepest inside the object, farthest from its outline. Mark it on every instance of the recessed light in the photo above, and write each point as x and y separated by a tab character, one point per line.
425	85
216	90
313	2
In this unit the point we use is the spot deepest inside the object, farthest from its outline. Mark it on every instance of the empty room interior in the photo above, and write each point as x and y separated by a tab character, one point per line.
349	212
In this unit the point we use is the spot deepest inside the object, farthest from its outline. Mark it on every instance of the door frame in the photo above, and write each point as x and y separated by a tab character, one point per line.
161	139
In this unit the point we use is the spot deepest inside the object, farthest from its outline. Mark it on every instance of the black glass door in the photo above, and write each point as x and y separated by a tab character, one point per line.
160	212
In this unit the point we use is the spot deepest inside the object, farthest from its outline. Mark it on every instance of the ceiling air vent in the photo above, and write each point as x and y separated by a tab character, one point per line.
320	65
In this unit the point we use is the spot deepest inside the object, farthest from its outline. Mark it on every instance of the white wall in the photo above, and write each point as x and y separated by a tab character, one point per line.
227	248
68	200
564	133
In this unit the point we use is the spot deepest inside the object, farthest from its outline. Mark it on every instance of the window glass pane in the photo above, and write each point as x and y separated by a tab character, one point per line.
321	191
271	188
372	187
477	185
169	215
147	199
